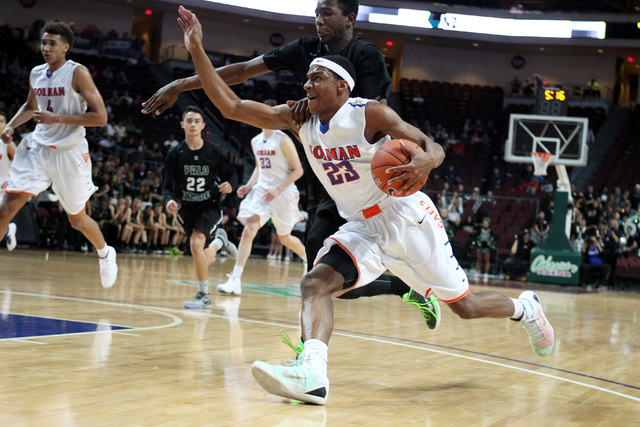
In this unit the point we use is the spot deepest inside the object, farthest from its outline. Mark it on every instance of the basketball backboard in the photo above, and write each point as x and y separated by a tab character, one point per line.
564	137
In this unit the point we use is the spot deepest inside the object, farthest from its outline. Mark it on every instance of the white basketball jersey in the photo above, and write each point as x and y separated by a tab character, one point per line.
341	157
55	93
273	164
4	166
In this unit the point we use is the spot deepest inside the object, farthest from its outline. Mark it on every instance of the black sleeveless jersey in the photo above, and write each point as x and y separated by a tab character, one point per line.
193	176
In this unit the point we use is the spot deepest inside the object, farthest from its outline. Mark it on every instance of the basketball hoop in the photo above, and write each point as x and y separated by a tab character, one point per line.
540	163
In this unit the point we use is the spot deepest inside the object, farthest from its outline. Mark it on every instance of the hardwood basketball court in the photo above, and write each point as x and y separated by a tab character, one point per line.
76	354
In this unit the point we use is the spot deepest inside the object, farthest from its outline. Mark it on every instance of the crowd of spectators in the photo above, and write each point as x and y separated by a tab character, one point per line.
610	217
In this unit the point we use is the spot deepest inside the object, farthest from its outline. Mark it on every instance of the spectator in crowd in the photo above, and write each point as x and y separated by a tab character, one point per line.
171	142
516	86
104	214
529	88
593	261
532	185
635	197
451	176
541	228
120	129
496	179
613	247
455	209
632	236
592	90
578	232
107	74
517	264
484	241
174	226
469	224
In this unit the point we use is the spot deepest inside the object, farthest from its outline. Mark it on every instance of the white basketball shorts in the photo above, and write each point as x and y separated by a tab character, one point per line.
407	238
68	170
283	210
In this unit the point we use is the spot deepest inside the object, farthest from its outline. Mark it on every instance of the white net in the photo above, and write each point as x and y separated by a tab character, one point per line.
540	163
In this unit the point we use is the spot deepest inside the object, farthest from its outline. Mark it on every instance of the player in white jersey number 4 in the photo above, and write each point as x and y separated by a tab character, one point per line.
381	231
57	153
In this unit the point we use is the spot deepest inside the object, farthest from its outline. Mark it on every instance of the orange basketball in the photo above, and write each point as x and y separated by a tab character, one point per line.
390	154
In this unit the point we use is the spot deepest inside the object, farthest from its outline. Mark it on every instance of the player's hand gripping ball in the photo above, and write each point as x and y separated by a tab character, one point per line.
393	153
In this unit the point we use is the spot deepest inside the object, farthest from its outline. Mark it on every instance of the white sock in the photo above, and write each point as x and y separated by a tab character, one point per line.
519	309
203	286
237	271
318	354
217	243
103	252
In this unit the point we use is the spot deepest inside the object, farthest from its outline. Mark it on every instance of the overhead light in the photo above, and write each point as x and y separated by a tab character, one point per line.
298	7
521	27
404	17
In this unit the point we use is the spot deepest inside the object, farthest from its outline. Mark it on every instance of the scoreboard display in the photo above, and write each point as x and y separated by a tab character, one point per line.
551	101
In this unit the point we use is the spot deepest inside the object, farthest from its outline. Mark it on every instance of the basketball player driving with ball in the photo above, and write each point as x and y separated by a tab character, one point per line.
402	234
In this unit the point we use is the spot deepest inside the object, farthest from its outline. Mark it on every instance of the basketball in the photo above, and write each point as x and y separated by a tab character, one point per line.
392	153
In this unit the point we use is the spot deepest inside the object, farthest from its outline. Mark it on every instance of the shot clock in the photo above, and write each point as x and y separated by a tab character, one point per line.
551	101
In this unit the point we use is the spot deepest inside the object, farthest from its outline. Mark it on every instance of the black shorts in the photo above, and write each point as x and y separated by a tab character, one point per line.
341	261
323	221
204	216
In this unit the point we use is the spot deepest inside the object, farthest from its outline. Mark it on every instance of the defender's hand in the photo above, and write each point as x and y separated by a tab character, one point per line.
191	27
299	111
164	98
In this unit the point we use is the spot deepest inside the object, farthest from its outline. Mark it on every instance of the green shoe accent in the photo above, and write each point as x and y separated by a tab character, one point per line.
175	252
429	307
285	339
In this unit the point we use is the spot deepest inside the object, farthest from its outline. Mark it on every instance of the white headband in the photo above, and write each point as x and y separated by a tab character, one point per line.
336	68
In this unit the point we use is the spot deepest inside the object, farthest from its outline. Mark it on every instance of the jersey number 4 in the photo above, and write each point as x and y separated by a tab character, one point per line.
338	173
195	184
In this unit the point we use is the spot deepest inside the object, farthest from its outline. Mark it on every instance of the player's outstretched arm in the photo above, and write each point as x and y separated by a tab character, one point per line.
167	95
254	113
381	118
232	74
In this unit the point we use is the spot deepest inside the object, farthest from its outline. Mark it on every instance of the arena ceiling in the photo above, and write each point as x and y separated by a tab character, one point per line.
605	10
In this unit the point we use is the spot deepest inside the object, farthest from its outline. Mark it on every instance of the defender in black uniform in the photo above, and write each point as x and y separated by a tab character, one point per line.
334	24
195	175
